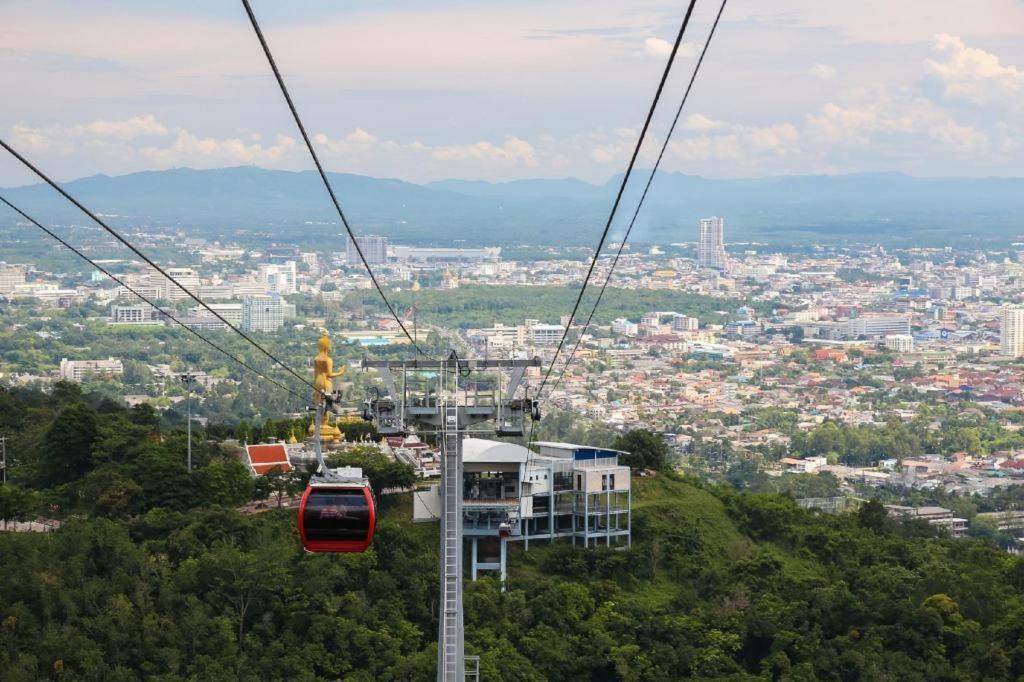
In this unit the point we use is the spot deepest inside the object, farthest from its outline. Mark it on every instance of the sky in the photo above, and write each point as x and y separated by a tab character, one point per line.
426	90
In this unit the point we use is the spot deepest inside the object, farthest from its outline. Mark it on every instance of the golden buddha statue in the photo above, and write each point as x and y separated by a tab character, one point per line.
323	373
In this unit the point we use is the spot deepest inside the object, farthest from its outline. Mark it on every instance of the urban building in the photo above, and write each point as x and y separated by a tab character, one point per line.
374	248
684	323
279	277
901	343
262	313
1011	331
131	314
77	370
877	326
500	337
311	259
624	327
11	276
936	516
511	494
245	288
436	255
186	277
711	244
546	334
232	312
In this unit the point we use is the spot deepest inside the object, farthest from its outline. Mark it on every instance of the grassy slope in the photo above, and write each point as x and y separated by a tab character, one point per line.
662	507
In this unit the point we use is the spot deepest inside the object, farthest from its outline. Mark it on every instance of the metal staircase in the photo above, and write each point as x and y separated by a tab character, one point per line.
450	649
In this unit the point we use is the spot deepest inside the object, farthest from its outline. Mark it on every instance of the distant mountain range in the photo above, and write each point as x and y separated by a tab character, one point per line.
785	210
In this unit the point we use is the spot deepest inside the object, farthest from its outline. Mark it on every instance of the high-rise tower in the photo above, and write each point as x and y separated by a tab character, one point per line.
711	243
1011	331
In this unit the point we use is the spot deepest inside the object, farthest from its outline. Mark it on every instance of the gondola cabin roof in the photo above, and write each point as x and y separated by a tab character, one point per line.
265	458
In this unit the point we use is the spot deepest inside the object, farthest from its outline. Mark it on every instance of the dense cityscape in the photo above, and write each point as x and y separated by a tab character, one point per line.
852	361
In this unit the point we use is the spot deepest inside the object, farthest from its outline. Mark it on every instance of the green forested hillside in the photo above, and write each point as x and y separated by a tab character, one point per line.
155	576
718	586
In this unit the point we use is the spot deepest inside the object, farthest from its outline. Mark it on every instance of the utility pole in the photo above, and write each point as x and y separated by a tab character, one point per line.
187	378
443	409
3	454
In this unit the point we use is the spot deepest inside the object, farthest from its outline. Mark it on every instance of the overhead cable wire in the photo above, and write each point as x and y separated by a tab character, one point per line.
323	174
650	179
622	187
114	233
156	307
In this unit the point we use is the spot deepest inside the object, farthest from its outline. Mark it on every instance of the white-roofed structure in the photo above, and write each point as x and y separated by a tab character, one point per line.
512	494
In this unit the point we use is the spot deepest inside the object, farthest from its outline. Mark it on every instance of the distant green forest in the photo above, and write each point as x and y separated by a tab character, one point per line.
472	306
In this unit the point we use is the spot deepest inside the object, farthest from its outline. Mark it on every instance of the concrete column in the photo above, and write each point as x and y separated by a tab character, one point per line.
608	519
473	562
503	559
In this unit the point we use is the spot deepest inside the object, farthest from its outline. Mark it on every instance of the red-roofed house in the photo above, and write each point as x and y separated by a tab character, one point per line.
264	458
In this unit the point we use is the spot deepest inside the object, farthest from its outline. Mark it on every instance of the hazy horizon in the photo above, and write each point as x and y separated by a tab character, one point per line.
438	90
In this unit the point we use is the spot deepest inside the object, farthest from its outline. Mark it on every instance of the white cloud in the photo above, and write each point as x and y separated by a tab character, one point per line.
514	150
959	138
656	48
822	71
699	122
736	141
775	137
972	74
189	149
127	129
65	139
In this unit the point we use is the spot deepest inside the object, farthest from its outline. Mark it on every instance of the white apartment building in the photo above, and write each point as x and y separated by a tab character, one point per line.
502	337
711	243
1011	331
374	248
901	343
246	288
262	314
232	312
546	334
685	323
878	326
76	370
186	277
624	327
279	277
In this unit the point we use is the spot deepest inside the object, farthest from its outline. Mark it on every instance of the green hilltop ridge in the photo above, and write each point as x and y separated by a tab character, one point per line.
155	574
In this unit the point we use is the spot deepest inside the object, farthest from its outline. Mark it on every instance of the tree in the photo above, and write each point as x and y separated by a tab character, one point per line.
382	471
644	450
224	482
16	503
278	482
68	445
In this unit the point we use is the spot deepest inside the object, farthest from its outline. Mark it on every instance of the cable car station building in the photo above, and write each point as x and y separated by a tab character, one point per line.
511	494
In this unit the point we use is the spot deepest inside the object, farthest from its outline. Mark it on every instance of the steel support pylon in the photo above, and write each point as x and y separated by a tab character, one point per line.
451	637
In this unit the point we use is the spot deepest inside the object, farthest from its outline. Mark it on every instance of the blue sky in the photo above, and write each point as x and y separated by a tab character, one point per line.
497	91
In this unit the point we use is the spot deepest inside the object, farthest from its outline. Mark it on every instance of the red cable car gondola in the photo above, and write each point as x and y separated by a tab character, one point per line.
337	512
